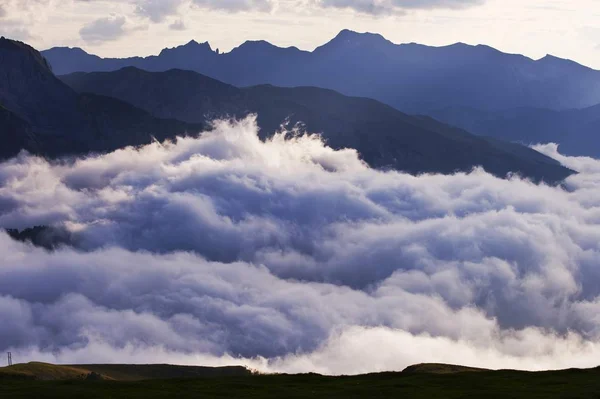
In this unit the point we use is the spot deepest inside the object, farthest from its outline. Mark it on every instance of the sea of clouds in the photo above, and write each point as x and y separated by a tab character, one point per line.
289	256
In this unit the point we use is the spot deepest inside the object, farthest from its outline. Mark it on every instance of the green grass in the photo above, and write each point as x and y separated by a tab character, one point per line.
129	372
117	372
45	371
436	368
486	384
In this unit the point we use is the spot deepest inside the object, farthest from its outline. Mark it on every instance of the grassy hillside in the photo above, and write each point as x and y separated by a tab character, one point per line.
9	374
125	372
44	372
423	381
434	368
116	372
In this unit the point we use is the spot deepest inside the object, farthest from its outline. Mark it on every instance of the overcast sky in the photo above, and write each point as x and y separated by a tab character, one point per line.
565	28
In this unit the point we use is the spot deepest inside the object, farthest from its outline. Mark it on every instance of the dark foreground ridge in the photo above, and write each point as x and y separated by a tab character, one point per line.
161	381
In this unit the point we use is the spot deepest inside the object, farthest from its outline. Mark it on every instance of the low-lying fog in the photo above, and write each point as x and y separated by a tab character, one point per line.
290	256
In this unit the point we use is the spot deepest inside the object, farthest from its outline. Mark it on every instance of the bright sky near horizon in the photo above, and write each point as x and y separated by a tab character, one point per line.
119	28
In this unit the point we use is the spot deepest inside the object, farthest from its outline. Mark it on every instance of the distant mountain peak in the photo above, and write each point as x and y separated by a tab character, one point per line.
553	60
70	50
350	39
347	34
192	45
461	45
549	58
78	49
263	48
256	44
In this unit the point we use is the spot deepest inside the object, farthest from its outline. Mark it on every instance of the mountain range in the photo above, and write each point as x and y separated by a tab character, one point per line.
384	136
410	77
100	112
477	88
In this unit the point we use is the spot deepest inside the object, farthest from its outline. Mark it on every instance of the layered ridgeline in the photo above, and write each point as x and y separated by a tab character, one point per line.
102	112
576	130
411	77
41	114
384	136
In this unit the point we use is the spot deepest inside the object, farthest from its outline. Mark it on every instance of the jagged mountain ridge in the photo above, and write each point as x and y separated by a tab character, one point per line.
411	77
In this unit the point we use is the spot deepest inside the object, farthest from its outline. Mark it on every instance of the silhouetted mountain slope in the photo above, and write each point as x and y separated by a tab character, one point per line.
577	131
183	95
384	136
16	134
116	124
411	77
29	89
41	114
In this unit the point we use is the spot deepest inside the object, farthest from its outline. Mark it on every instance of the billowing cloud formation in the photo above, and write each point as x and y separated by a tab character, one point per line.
104	29
377	7
290	256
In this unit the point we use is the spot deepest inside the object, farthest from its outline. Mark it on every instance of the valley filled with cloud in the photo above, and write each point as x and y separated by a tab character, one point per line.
287	255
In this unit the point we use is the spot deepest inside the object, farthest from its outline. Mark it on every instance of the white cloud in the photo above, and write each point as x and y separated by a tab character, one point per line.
158	10
290	256
104	29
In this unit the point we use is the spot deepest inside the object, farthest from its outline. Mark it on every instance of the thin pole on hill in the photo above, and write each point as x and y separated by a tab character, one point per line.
10	359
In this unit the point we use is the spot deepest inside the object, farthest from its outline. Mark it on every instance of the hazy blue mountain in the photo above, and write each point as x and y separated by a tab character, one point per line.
577	131
40	113
384	136
66	60
411	77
